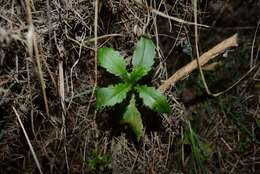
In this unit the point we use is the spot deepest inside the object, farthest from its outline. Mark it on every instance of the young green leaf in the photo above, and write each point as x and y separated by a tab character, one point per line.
112	61
137	74
153	99
132	117
111	95
144	54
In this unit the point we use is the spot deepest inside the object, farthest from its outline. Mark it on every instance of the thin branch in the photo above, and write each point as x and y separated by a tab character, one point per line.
203	59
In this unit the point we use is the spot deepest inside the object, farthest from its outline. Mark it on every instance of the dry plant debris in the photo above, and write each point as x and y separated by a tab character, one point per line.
48	75
203	59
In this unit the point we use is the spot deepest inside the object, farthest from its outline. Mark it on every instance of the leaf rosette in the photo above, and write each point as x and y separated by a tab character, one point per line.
142	62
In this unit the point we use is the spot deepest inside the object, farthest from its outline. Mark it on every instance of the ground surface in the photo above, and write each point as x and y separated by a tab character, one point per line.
203	134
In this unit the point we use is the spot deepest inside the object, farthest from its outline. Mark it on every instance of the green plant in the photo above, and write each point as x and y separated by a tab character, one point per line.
98	161
257	121
186	48
200	150
142	61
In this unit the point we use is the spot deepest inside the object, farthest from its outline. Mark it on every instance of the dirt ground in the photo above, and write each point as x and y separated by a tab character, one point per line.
48	74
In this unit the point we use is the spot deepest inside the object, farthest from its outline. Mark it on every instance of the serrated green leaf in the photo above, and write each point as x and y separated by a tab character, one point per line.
111	95
153	99
137	74
112	61
132	117
144	54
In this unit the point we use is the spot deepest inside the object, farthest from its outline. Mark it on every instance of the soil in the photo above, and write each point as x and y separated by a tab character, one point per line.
203	134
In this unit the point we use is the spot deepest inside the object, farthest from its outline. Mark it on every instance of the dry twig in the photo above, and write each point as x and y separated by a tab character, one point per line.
203	59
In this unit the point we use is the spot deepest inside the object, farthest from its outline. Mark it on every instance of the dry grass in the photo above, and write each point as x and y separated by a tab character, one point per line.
48	75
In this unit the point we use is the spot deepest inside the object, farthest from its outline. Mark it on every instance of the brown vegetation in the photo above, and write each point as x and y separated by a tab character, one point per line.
48	76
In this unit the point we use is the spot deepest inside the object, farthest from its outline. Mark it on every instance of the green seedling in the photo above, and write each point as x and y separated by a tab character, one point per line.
142	61
257	121
186	48
200	150
97	161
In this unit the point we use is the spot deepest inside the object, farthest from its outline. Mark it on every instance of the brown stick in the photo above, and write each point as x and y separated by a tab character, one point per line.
203	59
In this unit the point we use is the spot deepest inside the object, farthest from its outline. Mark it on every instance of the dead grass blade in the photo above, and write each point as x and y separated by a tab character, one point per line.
253	45
62	97
40	73
33	48
169	17
96	49
28	141
176	19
